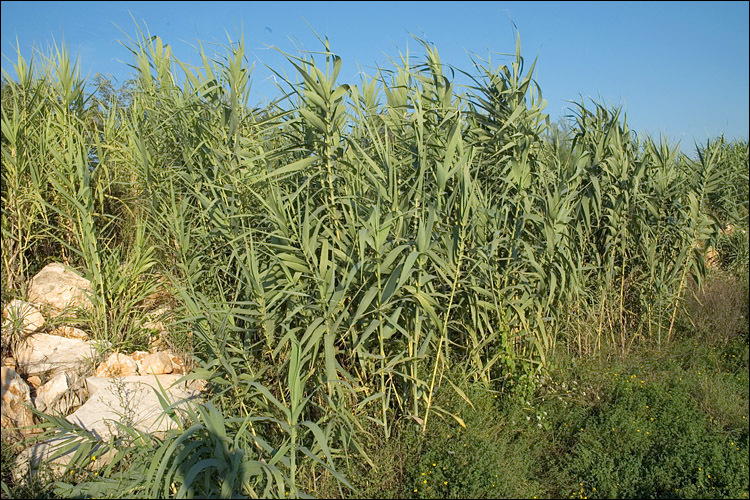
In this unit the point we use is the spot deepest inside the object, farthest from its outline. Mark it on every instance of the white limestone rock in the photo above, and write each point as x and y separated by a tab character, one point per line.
60	394
158	363
15	392
117	365
129	400
42	354
60	288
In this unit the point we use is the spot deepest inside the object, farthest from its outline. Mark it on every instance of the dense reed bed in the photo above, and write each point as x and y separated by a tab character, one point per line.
353	262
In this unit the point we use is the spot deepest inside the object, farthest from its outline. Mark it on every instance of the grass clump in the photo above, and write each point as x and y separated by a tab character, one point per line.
718	311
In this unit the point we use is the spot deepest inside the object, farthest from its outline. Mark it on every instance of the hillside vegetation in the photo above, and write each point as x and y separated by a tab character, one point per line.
395	287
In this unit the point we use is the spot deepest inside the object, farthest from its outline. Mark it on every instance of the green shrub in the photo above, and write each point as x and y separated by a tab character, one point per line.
650	440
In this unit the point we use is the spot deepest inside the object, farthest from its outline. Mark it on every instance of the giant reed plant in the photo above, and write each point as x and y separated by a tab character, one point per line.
340	255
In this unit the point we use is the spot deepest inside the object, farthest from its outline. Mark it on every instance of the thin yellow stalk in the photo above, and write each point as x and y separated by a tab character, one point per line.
677	302
444	333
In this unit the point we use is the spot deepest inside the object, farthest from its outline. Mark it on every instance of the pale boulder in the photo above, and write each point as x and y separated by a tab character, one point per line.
59	288
60	394
43	354
129	400
158	363
117	365
70	332
15	395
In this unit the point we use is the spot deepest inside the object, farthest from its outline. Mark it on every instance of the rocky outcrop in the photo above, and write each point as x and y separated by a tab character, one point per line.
131	401
50	370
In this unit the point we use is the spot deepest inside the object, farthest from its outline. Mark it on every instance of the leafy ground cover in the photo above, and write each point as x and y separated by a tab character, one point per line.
659	423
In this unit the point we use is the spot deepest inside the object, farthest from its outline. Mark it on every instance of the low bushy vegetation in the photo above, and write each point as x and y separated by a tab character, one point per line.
398	288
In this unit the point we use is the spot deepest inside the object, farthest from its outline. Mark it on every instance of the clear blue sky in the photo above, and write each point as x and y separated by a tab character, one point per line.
679	68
